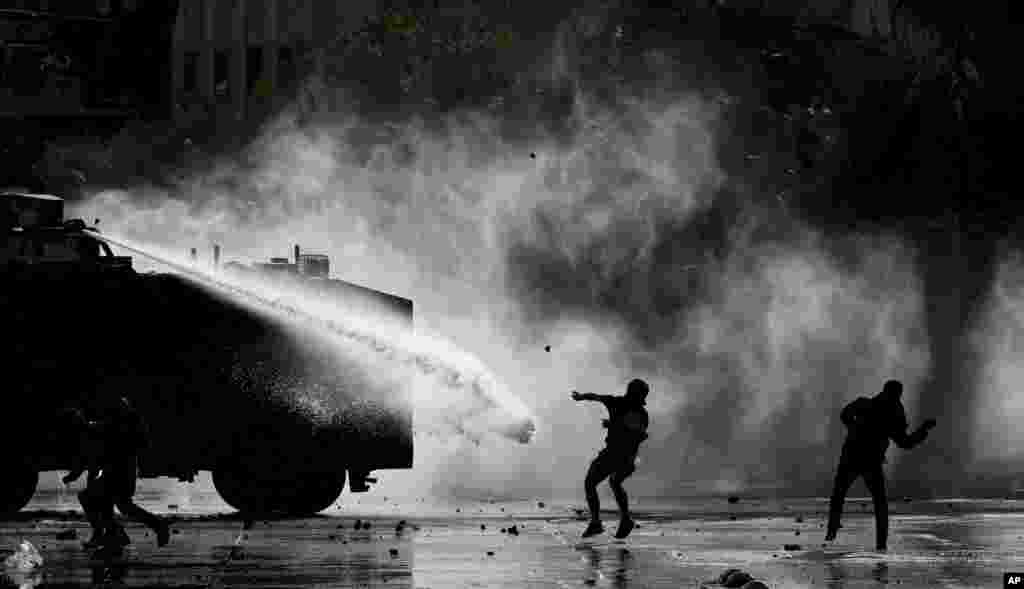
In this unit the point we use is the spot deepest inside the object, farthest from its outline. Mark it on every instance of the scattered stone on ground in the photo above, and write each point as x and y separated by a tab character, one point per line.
25	558
734	499
791	547
734	578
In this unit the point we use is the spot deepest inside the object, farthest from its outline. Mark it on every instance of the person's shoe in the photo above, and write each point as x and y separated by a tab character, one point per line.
163	535
593	529
625	527
830	534
881	548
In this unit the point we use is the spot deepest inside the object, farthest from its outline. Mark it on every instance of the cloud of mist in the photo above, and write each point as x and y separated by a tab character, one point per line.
999	339
614	240
786	336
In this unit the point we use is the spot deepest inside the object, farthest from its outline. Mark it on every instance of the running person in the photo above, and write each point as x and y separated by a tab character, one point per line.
125	436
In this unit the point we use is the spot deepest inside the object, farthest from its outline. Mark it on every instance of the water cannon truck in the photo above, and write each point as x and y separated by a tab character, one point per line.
279	417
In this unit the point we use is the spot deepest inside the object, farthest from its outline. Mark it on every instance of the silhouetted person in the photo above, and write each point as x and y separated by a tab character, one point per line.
627	429
124	437
88	456
871	423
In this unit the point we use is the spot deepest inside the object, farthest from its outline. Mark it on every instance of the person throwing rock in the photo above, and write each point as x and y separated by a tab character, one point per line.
627	429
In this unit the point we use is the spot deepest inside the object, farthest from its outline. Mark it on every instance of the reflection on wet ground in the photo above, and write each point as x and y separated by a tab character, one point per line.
469	548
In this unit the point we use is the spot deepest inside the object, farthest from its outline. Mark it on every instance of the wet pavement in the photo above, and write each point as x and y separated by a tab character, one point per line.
934	544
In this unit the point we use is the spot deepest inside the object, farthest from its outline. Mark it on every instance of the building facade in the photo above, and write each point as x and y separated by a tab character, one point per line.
239	57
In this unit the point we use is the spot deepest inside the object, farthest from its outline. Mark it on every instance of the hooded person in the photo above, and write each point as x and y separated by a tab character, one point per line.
627	425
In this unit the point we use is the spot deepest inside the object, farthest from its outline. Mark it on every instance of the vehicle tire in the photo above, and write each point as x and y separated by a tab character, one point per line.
299	494
18	489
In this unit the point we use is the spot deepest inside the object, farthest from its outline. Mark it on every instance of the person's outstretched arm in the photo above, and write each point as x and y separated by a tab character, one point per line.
577	396
908	441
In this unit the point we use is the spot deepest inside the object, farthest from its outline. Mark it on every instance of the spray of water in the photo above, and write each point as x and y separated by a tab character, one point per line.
484	403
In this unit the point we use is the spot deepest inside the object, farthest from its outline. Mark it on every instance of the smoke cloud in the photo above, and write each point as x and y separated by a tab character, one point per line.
611	234
998	342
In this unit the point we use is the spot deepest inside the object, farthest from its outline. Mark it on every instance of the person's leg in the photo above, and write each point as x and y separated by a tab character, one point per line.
110	536
128	507
874	478
93	515
625	519
598	471
124	490
845	475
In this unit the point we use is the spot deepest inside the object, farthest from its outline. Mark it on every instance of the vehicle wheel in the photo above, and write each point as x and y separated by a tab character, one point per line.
17	490
264	494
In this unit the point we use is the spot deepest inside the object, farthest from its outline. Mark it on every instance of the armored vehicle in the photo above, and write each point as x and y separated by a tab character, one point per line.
278	412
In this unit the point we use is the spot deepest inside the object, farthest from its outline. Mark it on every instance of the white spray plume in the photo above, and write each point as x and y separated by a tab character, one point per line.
483	404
